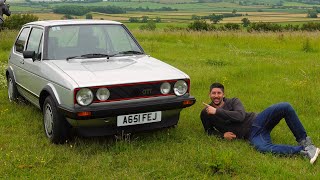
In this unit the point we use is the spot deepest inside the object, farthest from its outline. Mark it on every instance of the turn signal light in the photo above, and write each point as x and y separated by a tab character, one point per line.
83	114
187	102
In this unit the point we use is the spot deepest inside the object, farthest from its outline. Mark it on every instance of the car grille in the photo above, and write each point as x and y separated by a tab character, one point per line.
135	91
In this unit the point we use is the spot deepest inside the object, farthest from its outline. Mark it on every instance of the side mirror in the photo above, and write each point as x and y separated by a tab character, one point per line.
29	54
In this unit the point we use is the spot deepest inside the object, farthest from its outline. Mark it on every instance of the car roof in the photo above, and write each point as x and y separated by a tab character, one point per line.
71	22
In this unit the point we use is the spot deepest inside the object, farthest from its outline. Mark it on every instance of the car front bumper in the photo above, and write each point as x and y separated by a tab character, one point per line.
128	107
103	120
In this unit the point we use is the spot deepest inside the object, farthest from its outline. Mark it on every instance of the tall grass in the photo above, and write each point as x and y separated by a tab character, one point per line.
6	40
259	68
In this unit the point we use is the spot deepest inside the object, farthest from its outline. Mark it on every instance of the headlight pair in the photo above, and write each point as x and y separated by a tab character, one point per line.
180	88
85	96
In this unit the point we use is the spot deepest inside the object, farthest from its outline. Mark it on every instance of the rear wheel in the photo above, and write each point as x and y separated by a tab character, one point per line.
56	127
12	89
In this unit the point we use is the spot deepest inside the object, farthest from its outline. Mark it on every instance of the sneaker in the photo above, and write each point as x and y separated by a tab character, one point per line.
309	150
312	153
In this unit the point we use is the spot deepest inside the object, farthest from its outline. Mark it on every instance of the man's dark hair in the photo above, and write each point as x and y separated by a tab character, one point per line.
217	85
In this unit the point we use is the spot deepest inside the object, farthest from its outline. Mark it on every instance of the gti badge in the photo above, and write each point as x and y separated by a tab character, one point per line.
146	91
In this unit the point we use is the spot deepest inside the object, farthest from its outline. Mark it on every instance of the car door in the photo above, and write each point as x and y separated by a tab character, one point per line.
31	75
16	57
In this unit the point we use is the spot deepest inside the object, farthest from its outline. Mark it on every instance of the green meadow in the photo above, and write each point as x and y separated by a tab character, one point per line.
259	68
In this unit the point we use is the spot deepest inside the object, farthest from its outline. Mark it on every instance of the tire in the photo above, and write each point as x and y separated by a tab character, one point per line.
56	127
12	89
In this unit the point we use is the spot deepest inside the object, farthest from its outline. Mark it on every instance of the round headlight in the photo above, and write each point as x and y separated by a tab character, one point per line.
84	96
103	94
180	88
165	88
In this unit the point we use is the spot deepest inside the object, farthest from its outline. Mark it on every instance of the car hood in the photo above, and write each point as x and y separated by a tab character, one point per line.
117	70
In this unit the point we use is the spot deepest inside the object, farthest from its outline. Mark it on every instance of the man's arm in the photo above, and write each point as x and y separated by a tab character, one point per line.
207	122
237	114
214	132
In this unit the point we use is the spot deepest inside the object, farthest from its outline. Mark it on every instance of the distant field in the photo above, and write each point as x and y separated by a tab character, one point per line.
300	4
180	7
49	16
186	8
185	17
193	7
275	17
27	9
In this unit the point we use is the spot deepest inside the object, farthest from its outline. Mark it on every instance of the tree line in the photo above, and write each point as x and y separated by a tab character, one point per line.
147	9
215	18
201	25
82	10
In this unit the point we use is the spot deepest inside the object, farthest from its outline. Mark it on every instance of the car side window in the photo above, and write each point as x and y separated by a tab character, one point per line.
21	41
34	42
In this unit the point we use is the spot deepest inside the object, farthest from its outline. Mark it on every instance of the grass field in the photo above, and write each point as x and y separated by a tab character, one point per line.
259	68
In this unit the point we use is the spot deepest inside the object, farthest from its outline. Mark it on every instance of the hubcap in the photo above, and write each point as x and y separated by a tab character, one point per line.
10	89
48	120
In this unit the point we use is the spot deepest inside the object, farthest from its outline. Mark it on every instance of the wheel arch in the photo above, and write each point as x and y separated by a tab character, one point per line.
48	90
9	72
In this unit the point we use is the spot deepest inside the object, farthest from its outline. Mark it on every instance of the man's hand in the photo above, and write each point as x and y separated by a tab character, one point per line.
210	109
229	135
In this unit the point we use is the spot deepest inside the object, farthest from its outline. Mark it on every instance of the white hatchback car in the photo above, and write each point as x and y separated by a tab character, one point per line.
92	75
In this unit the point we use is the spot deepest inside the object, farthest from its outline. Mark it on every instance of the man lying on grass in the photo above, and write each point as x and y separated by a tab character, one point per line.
227	118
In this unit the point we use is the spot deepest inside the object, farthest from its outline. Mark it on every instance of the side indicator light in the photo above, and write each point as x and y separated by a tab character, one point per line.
187	102
84	114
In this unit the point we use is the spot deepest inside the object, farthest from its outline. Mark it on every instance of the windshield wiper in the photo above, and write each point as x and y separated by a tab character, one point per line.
130	52
91	55
74	57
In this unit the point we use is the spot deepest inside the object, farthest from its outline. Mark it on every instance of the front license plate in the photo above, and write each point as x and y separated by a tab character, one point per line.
141	118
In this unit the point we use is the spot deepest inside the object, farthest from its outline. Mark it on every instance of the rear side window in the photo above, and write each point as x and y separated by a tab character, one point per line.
21	41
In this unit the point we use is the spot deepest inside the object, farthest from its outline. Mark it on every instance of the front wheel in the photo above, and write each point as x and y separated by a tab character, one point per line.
56	127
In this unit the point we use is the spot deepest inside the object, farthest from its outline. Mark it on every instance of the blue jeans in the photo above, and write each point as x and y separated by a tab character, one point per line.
267	120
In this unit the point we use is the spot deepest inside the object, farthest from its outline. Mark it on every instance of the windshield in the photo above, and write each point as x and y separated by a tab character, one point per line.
78	40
